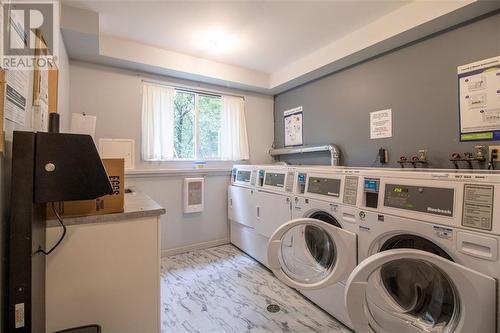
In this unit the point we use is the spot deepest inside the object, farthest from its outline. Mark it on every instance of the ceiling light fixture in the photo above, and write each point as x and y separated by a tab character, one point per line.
216	41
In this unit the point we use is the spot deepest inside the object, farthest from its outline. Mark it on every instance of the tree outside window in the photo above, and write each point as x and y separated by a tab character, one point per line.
197	123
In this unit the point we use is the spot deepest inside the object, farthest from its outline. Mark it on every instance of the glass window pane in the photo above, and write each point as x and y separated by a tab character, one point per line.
184	116
209	126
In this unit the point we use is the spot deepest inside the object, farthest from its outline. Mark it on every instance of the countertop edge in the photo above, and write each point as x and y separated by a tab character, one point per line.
137	205
106	218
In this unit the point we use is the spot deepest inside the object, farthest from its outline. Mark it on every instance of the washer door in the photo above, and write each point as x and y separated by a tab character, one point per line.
308	253
407	290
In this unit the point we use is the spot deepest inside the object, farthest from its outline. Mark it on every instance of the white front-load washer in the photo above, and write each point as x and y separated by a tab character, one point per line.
316	251
428	251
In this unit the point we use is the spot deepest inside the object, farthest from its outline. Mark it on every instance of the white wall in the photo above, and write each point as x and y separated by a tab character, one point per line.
181	232
114	96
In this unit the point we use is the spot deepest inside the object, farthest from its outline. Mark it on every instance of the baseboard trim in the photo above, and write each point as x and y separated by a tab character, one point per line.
193	247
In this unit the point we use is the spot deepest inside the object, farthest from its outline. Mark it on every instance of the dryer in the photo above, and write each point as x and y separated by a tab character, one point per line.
241	210
259	201
241	195
428	251
316	251
273	199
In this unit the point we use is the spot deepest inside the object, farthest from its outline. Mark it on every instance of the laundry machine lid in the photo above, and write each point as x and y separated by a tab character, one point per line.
309	254
409	290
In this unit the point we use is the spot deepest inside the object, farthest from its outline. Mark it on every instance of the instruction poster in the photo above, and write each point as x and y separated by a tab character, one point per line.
479	97
381	124
293	126
16	95
17	81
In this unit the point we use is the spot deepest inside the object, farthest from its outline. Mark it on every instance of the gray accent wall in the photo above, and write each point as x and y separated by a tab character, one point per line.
418	82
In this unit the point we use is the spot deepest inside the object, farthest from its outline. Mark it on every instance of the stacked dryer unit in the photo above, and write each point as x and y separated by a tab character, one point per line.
428	250
259	201
241	209
316	251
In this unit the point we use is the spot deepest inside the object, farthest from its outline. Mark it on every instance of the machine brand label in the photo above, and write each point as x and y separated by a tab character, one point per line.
19	315
439	211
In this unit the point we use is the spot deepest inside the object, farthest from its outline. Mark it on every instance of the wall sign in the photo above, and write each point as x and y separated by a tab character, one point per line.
293	126
479	100
381	124
16	95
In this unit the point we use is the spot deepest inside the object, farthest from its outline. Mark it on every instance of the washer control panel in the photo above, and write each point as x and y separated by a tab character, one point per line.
424	199
260	178
301	182
324	186
243	176
371	187
275	179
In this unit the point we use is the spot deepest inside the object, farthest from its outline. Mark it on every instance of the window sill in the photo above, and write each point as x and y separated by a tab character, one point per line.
139	173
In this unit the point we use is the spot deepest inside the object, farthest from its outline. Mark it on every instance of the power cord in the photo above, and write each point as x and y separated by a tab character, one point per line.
62	236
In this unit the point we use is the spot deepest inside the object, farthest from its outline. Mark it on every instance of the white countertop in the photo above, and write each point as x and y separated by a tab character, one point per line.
137	205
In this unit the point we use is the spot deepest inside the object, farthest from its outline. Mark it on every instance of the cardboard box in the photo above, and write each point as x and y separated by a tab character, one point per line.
103	205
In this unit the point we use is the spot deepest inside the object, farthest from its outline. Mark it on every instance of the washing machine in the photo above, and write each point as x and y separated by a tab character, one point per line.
316	251
428	251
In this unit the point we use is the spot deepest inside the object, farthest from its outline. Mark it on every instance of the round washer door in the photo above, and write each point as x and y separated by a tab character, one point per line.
408	290
309	254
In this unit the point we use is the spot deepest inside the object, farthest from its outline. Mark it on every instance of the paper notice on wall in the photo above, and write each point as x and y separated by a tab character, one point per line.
381	124
16	95
479	95
40	117
83	124
1	34
293	126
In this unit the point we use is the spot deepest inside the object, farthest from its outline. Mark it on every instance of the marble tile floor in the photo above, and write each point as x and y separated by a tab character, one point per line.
221	289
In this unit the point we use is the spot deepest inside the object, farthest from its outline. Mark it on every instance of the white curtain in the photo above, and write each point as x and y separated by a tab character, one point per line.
233	137
157	122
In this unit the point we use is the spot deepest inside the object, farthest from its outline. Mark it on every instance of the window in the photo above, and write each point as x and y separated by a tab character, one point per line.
180	124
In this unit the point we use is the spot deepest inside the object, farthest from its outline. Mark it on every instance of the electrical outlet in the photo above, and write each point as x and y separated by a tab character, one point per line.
494	153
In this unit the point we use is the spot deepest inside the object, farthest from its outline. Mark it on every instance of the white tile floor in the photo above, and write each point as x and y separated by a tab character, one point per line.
221	289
